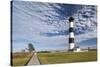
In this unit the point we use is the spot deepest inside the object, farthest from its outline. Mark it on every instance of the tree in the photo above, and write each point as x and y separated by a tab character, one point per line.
30	47
23	50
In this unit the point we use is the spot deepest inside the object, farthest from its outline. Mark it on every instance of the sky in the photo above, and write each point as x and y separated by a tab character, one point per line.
46	25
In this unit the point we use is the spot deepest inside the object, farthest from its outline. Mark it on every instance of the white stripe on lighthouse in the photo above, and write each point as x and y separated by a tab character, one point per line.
71	24
71	34
72	45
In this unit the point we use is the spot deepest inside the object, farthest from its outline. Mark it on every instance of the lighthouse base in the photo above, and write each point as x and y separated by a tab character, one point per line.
75	50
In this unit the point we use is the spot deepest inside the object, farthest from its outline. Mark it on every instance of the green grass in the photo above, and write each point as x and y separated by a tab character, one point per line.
20	59
67	57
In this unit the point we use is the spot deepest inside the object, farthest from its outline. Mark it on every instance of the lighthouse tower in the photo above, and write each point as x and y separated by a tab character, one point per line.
71	34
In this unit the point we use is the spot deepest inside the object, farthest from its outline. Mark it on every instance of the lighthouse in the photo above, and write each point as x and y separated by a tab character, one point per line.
71	34
72	45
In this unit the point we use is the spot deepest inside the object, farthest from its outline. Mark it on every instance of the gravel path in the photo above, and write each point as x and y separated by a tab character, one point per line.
34	60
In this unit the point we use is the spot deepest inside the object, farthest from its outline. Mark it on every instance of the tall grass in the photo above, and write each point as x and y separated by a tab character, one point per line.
67	57
20	58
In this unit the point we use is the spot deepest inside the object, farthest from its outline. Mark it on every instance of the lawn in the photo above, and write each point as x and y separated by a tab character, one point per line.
67	57
20	59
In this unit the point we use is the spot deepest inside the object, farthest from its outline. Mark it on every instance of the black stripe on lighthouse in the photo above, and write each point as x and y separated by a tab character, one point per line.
71	29
71	40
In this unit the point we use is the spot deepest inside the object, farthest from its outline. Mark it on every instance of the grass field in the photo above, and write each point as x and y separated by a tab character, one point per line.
67	57
20	59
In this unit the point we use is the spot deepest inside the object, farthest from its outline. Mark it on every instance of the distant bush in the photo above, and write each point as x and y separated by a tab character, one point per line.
92	49
44	52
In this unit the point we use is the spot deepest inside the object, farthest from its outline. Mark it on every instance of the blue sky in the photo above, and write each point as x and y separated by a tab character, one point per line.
45	25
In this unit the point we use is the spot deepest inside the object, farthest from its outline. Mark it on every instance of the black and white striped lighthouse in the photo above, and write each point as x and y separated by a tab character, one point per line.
71	34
